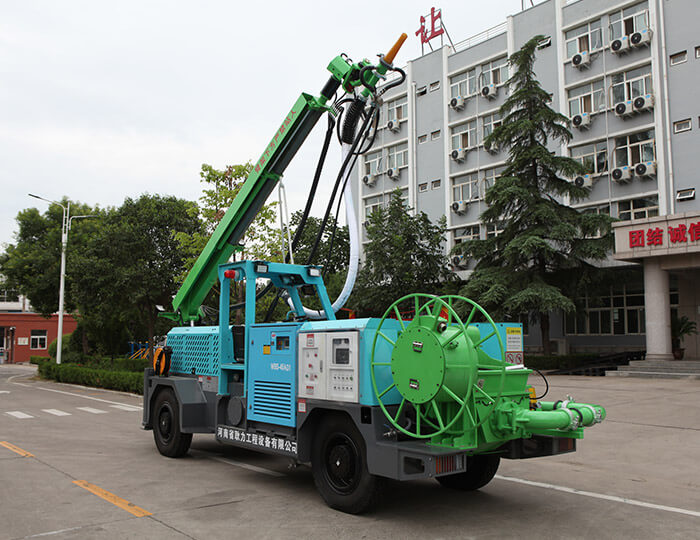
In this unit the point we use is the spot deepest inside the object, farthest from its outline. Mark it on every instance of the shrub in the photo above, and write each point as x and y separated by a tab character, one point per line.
38	360
125	381
65	347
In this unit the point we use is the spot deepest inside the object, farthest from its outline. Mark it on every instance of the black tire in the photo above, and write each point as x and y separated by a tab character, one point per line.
339	466
171	442
480	471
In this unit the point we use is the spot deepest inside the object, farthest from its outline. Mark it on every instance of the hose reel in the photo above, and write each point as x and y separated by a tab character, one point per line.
438	367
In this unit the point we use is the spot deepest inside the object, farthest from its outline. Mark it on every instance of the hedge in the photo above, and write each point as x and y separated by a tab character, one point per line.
103	363
125	381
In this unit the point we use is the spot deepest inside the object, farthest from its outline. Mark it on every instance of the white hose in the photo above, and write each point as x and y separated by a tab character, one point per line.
354	246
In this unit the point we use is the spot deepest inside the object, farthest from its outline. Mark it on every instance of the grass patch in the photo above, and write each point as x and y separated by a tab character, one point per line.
124	381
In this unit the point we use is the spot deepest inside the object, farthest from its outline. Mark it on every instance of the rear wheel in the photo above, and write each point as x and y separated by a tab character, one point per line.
169	439
480	471
339	465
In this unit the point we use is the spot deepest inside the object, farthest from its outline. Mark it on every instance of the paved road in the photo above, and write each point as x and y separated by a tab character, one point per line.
93	473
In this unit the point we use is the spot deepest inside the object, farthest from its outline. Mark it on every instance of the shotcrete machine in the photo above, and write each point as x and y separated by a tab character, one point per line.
432	389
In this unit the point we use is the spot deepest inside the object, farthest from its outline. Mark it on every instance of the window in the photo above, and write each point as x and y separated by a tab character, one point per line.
435	135
682	125
601	209
635	148
495	72
618	311
464	234
494	230
628	21
697	52
592	156
490	176
631	84
463	84
435	184
546	42
8	295
422	139
421	91
687	194
372	203
465	188
588	98
586	38
397	109
372	162
489	123
643	208
397	156
434	86
680	57
464	135
423	187
38	339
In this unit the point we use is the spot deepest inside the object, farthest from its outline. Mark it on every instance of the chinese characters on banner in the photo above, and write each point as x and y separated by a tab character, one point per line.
654	236
435	29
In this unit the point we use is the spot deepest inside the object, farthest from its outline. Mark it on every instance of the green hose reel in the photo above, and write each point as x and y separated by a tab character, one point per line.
438	367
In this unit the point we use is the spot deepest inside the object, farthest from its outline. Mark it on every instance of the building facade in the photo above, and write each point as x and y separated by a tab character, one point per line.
24	334
625	72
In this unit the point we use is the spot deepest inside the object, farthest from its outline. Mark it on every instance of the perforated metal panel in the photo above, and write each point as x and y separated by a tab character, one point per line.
273	400
195	348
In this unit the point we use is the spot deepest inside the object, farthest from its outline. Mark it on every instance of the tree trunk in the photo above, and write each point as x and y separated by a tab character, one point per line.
544	333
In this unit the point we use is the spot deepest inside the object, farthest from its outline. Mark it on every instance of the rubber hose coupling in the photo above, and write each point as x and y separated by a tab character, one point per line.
352	116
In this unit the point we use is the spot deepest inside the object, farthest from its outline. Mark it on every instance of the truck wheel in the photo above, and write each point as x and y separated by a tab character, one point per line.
339	466
169	439
480	471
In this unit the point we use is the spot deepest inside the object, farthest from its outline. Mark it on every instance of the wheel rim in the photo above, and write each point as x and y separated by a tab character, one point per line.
341	463
165	423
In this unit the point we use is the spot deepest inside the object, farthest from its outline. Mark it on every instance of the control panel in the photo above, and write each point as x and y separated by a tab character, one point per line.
328	366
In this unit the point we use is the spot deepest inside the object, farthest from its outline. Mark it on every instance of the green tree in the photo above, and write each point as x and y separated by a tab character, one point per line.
405	254
543	258
128	267
31	265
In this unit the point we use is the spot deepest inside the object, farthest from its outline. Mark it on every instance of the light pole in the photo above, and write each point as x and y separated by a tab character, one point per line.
65	227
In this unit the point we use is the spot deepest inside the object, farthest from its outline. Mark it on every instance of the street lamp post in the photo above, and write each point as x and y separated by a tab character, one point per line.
65	227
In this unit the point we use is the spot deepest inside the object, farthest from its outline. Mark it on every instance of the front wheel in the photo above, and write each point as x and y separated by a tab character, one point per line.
339	466
480	471
169	439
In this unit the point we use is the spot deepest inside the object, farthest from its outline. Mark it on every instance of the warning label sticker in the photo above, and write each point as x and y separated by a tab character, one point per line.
514	339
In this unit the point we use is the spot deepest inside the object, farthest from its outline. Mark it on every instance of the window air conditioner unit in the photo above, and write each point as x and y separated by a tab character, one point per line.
393	125
493	148
489	91
585	180
622	175
620	45
644	103
647	168
369	180
581	60
460	261
457	103
624	108
640	39
459	155
393	173
459	207
581	121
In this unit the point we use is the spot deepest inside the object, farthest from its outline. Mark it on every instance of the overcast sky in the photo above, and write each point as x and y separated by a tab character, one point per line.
105	100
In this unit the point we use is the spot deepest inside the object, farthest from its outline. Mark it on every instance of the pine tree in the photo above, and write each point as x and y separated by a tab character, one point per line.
543	258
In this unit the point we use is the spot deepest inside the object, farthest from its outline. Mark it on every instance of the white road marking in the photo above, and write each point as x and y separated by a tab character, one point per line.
56	412
19	414
51	533
4	391
91	410
64	392
129	408
246	466
603	496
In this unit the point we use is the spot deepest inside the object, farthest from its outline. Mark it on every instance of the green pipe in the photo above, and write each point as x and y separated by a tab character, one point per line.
539	419
590	413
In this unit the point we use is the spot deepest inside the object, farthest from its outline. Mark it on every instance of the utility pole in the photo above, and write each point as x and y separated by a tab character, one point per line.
65	227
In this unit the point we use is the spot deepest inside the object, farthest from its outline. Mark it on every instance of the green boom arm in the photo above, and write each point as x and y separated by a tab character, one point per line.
262	180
